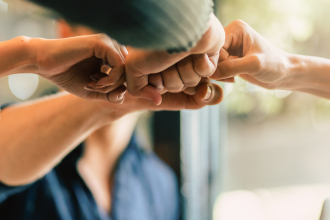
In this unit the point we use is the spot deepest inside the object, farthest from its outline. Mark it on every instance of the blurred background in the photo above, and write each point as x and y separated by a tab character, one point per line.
275	145
278	146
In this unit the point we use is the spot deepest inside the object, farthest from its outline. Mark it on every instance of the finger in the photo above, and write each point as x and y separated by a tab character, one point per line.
193	90
105	50
204	80
109	79
137	86
93	85
207	94
156	80
119	49
163	91
97	76
233	67
116	96
151	93
228	80
223	55
172	79
108	89
205	65
187	73
190	90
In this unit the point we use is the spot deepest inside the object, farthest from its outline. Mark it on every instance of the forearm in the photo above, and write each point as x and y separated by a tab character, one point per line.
16	56
36	136
308	74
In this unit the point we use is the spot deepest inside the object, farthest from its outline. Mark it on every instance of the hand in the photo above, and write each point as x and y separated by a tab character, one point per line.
148	72
187	73
196	98
248	55
71	62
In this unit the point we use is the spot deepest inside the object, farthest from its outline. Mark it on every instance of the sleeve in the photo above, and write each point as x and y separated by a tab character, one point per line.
173	25
7	191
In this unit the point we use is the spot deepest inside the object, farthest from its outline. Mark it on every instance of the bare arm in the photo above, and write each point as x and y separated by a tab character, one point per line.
35	136
308	74
248	55
16	57
69	62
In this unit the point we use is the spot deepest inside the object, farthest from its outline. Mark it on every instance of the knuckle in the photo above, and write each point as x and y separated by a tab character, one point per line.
240	23
103	37
169	73
207	72
191	83
185	66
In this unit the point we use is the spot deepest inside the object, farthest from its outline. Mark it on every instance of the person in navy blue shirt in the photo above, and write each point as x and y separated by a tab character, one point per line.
45	173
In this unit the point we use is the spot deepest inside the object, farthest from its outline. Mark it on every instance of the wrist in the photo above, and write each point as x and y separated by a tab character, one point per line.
17	56
104	113
89	111
26	55
297	75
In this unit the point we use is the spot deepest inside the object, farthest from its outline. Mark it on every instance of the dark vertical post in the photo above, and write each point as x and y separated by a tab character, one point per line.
166	133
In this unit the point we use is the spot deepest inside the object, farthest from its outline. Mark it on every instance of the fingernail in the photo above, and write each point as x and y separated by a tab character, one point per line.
105	68
88	88
99	87
208	93
93	78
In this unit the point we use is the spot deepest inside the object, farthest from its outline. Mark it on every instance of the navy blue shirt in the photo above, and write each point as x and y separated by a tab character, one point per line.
144	189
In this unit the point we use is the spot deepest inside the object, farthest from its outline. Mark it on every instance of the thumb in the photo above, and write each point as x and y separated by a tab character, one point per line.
207	94
234	66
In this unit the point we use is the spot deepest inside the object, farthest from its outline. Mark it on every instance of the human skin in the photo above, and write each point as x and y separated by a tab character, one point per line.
69	63
149	72
28	152
248	55
67	120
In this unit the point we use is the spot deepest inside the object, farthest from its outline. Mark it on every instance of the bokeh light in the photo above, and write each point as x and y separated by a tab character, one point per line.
23	85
